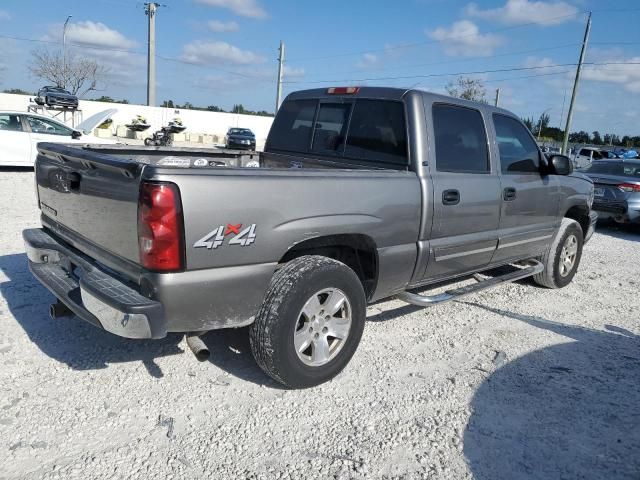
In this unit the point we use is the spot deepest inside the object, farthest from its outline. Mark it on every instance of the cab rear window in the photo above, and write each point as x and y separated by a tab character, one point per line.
360	130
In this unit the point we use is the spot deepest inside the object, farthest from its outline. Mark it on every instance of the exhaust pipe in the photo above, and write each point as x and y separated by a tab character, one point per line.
59	310
198	347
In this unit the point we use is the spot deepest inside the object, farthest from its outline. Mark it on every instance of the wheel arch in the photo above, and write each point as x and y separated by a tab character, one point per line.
357	251
579	213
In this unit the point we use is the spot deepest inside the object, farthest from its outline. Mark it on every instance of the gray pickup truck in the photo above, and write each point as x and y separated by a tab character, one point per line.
360	194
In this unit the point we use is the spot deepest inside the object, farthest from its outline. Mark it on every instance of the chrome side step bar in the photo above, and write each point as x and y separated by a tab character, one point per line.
530	268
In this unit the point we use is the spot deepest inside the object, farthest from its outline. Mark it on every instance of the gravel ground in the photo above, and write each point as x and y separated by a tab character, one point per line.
517	382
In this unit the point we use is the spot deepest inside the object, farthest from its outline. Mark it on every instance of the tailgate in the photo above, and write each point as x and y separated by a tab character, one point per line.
91	195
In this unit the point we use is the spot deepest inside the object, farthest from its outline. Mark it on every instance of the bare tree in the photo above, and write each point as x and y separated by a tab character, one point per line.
467	88
78	75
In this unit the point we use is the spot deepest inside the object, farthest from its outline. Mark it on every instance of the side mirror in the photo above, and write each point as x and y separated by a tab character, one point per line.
560	165
76	134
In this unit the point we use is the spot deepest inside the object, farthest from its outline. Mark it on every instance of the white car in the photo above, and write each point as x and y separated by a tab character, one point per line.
20	132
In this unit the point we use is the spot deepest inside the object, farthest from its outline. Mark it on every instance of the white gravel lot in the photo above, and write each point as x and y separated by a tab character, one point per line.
515	383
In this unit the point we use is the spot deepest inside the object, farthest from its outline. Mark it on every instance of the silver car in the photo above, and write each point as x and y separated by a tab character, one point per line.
616	189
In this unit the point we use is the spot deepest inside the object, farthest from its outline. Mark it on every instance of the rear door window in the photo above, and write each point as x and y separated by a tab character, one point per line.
377	132
10	122
292	126
330	127
461	139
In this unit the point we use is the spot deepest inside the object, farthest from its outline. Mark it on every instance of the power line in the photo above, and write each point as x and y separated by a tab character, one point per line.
464	60
430	42
404	77
476	72
132	52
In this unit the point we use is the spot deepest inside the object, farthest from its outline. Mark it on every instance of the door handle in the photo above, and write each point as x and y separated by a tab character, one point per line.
450	197
509	194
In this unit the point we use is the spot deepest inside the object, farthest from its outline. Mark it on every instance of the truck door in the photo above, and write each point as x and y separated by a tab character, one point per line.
466	193
530	201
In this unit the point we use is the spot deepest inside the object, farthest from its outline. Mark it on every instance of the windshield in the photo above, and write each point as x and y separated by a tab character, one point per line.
240	131
57	89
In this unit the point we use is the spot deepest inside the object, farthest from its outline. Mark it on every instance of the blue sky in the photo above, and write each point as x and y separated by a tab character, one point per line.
222	52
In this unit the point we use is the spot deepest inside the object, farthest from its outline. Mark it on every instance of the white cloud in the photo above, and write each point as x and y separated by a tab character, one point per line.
216	52
526	11
96	34
627	76
245	8
108	47
4	15
464	38
367	60
221	27
293	72
89	34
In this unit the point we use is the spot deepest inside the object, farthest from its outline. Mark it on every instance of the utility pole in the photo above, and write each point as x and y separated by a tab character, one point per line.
64	50
497	97
280	72
150	10
565	141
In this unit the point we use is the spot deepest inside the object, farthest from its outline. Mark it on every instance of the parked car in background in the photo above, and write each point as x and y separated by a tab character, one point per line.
586	155
20	132
616	189
240	138
56	97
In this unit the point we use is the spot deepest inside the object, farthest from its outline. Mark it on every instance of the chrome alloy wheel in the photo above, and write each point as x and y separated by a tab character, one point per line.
568	255
323	327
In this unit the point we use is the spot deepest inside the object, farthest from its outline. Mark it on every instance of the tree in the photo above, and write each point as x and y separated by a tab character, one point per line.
579	137
78	75
543	123
107	99
597	139
467	88
17	91
168	104
238	108
528	123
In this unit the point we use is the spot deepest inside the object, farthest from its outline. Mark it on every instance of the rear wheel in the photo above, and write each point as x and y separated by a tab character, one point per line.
310	323
563	257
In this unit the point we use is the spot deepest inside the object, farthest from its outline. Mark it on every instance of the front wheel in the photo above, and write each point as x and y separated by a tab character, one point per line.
147	141
563	257
310	322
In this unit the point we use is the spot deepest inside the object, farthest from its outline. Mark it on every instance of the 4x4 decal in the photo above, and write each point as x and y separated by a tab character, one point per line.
216	237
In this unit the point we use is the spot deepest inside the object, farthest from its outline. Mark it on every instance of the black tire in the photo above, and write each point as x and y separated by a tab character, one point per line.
272	333
552	276
46	101
147	142
39	101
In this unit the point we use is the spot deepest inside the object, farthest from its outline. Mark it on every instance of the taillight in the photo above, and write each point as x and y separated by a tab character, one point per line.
160	229
343	90
629	187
